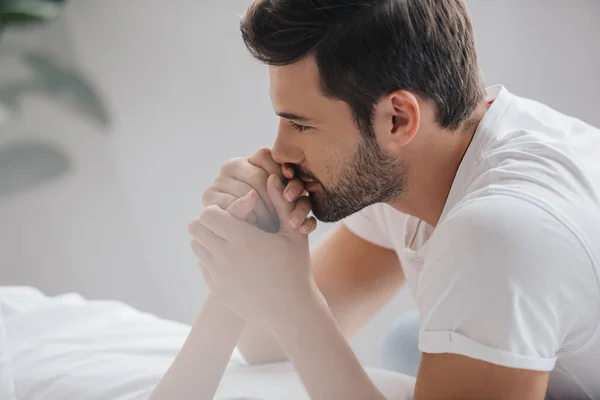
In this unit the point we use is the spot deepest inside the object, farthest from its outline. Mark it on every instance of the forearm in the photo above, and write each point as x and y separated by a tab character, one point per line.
199	366
322	356
258	345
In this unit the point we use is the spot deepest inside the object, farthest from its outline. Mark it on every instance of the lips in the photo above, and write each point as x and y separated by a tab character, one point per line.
311	186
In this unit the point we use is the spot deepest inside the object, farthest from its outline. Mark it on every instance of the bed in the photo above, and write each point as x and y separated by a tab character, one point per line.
66	347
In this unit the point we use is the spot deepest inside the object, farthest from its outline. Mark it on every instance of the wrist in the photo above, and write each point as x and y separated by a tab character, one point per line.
214	310
297	315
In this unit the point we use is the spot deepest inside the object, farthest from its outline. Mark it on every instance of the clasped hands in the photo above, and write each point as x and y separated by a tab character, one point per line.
251	240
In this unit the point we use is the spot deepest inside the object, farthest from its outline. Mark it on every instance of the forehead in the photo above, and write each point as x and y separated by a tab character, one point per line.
295	88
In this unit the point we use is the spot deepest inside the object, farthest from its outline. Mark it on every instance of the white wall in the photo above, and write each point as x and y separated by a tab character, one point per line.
183	95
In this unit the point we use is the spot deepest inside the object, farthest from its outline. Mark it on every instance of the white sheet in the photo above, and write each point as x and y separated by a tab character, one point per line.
7	389
66	347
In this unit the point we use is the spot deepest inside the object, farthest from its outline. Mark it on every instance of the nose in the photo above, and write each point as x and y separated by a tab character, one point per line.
284	149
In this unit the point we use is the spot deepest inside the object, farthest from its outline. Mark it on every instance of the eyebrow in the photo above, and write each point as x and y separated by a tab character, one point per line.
294	117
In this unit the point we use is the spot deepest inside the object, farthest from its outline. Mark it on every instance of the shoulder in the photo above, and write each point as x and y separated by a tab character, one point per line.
505	240
508	278
494	223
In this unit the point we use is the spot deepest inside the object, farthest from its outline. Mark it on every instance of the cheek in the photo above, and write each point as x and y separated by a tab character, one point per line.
331	165
328	153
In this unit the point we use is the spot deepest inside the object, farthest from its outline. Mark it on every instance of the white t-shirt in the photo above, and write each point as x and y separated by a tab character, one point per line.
510	275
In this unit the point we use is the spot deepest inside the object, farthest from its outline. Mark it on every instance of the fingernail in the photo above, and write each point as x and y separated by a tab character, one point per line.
295	221
304	229
290	194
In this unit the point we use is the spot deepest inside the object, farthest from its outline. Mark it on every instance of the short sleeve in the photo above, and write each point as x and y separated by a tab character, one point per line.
364	225
504	282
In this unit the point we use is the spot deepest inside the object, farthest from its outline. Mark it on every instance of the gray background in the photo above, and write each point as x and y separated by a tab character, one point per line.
98	182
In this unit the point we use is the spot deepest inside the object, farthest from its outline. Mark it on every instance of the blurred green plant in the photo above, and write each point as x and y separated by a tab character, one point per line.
51	78
28	162
63	84
27	12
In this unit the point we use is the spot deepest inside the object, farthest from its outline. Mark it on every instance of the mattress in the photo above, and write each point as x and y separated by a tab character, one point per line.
66	347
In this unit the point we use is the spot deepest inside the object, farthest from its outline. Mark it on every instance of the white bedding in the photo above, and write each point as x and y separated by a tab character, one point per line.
65	347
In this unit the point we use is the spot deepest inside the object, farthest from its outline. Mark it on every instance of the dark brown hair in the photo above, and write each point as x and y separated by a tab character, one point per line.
365	49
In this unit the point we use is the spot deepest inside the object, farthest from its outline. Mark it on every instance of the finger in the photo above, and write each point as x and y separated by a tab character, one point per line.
207	276
300	212
204	256
217	221
264	159
205	260
287	170
253	219
242	207
206	237
293	189
215	195
308	226
226	190
224	200
283	208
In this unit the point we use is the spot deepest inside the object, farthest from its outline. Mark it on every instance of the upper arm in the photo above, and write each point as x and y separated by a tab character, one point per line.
500	296
355	276
453	376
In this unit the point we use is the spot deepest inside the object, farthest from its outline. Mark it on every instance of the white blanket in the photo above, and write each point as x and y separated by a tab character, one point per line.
65	347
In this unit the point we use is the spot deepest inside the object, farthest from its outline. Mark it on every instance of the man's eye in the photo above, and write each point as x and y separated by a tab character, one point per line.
298	127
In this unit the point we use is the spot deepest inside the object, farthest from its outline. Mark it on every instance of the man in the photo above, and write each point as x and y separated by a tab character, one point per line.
484	203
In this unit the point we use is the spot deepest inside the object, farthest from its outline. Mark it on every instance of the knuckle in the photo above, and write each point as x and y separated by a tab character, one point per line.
211	210
263	152
193	225
208	196
230	165
263	158
208	212
227	165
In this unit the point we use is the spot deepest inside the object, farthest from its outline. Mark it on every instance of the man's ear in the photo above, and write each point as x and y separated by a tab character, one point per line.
397	119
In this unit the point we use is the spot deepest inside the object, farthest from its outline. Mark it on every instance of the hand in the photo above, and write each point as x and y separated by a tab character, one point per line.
257	275
239	176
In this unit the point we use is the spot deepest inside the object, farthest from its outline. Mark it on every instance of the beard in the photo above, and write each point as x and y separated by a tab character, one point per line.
370	177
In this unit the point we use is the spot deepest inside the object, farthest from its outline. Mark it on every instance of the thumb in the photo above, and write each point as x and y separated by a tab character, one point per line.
284	208
243	206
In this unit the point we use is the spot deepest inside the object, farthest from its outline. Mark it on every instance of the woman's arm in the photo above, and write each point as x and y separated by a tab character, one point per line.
201	362
356	277
321	355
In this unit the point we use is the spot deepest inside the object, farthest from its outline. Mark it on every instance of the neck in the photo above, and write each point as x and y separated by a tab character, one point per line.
430	178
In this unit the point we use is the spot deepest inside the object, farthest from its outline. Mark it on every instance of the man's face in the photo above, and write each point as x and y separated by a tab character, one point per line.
347	171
